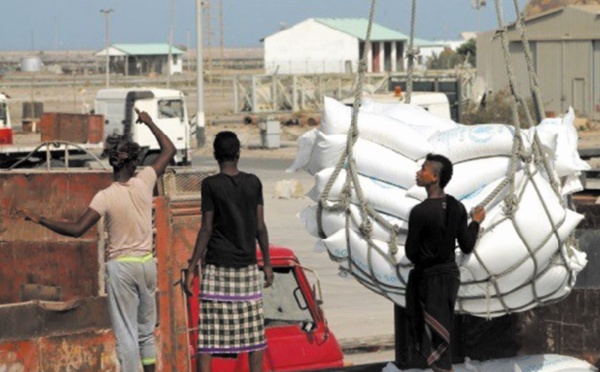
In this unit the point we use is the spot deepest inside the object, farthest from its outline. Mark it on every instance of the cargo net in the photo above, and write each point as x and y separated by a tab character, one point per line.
525	255
183	183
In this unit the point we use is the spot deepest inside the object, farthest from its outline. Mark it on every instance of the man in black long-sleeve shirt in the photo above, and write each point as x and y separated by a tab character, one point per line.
434	226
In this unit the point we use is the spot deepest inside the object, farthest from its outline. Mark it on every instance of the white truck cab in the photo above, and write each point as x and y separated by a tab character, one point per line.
4	112
166	107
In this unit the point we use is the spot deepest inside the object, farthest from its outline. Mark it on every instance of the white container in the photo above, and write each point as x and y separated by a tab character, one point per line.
31	64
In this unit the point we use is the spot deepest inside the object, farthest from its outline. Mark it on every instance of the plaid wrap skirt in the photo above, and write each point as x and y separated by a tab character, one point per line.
231	310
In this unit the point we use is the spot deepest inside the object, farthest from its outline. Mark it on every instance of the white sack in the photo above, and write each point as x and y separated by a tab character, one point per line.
469	177
555	282
567	160
327	150
381	196
504	245
467	142
416	116
383	130
306	143
384	268
530	363
334	221
478	196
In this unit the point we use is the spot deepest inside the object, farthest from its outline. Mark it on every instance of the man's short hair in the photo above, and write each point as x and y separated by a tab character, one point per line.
122	152
226	146
442	166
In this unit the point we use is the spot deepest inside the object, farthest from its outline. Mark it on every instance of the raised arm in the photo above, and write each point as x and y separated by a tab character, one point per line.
72	229
167	149
467	234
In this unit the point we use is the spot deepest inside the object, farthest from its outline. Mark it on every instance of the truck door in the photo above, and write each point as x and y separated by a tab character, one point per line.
169	116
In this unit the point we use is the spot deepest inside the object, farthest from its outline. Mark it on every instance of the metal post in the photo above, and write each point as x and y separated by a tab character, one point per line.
254	108
274	92
200	119
236	103
106	13
170	57
294	93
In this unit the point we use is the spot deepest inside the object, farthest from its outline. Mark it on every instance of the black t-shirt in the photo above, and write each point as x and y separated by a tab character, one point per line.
234	201
434	226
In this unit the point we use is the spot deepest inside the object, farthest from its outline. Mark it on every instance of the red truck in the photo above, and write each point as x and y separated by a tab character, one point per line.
52	298
297	334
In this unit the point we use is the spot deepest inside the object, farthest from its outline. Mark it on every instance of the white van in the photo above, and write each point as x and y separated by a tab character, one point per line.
167	108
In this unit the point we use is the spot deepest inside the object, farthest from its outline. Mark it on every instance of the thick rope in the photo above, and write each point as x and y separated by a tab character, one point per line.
412	52
534	84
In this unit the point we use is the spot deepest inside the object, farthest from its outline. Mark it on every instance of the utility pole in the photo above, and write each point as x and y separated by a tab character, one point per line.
170	59
106	13
200	119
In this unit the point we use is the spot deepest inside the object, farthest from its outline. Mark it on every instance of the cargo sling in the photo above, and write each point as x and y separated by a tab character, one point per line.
534	162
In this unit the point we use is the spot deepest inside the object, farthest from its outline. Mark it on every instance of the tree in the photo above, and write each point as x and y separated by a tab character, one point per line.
468	51
448	59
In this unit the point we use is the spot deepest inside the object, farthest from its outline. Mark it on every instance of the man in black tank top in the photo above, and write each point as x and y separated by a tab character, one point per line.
231	310
434	227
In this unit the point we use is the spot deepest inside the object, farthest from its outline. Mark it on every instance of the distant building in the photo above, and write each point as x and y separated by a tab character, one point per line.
143	59
333	45
429	49
565	43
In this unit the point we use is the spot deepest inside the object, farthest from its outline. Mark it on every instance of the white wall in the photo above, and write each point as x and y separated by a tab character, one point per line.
310	47
177	64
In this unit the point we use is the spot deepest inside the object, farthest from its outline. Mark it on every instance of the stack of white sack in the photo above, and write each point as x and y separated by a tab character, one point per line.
521	260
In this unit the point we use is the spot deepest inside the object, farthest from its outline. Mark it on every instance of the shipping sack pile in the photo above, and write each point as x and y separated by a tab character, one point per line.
525	255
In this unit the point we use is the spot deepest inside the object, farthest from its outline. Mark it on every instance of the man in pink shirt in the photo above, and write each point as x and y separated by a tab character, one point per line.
126	206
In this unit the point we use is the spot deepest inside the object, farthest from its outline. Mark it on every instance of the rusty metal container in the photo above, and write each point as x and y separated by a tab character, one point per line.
76	128
68	327
51	291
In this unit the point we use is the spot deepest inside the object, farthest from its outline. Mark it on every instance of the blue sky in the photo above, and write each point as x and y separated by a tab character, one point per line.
78	24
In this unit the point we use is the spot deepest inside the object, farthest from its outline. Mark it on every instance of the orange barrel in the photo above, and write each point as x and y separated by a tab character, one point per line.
6	136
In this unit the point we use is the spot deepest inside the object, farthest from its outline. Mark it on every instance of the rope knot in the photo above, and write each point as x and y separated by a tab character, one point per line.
510	205
499	32
393	245
525	156
366	228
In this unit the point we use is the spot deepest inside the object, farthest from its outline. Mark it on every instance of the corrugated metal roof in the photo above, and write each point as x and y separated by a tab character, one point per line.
147	49
357	27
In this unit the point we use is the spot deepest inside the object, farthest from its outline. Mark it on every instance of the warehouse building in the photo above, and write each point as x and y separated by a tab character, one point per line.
565	43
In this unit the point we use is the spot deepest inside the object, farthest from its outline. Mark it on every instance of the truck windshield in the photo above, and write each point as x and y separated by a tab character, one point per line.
170	108
284	301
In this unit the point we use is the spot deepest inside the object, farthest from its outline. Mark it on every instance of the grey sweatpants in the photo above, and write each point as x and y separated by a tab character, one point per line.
131	288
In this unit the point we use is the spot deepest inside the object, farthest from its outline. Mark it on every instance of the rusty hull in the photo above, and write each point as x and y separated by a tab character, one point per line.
72	332
177	225
32	254
75	334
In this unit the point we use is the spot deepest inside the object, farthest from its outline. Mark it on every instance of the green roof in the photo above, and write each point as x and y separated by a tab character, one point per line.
357	27
147	49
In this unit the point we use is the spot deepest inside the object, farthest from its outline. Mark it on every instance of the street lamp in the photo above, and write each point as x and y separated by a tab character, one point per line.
106	13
